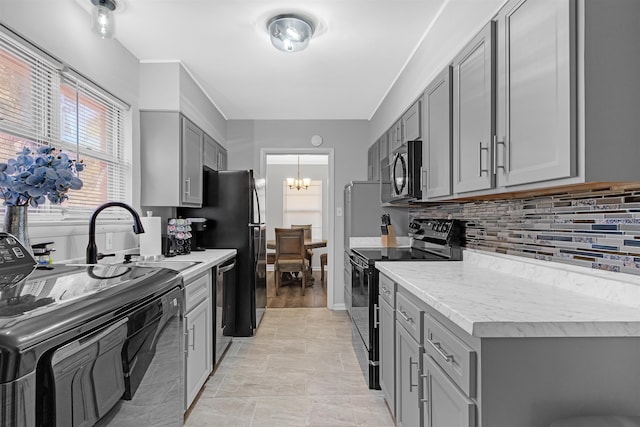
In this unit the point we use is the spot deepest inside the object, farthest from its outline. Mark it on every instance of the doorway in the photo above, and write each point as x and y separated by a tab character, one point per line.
290	203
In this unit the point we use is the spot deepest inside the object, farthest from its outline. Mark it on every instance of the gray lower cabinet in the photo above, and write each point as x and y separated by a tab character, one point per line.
387	353
473	113
170	160
535	138
435	175
408	405
445	404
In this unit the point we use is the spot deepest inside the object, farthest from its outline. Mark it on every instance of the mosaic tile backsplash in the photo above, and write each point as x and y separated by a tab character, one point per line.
596	229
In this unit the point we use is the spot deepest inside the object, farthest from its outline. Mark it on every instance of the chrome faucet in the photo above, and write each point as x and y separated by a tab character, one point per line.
92	250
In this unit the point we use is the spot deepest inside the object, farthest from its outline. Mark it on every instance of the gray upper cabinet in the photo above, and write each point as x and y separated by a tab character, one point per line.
170	160
215	157
192	144
536	79
373	162
473	113
436	137
211	150
395	137
411	123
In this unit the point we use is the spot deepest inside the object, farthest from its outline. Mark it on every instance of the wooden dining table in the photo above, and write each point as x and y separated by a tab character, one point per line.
308	244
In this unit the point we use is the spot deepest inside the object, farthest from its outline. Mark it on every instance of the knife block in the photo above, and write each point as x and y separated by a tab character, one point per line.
389	239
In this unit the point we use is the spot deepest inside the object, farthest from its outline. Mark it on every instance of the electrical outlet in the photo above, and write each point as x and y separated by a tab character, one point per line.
108	241
338	211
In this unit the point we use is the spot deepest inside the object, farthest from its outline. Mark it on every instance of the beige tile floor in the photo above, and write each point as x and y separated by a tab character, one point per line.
299	370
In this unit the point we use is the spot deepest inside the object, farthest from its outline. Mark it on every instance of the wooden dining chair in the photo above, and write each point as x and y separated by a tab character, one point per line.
307	236
290	255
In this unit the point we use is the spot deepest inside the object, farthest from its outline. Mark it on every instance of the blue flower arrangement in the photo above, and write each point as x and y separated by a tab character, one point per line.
31	179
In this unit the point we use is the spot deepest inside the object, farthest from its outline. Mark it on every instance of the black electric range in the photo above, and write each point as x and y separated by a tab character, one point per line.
432	240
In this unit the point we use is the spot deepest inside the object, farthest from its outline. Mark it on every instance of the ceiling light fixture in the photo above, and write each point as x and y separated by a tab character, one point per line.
299	184
102	22
289	32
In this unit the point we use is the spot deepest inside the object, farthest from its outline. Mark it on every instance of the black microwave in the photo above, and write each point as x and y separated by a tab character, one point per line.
400	178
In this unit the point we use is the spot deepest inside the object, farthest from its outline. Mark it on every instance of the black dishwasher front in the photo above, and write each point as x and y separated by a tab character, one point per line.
224	313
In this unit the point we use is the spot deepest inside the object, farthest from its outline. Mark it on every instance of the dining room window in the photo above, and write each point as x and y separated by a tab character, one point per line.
44	102
303	207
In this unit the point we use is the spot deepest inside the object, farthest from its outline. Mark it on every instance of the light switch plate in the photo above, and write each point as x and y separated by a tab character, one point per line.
338	211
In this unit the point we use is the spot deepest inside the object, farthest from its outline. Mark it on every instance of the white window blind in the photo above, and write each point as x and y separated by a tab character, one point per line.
303	207
42	103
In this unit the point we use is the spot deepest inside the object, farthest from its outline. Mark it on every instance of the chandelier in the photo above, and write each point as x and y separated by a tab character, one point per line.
299	184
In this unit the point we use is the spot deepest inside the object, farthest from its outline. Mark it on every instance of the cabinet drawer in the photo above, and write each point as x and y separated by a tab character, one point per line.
386	289
455	357
410	316
196	291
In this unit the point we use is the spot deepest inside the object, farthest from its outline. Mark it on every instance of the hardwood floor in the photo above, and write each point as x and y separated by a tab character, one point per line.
291	293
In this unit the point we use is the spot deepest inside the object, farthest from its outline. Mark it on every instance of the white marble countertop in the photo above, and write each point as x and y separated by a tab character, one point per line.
208	259
501	296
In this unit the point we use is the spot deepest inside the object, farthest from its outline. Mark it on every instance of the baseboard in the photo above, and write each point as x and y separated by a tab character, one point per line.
338	307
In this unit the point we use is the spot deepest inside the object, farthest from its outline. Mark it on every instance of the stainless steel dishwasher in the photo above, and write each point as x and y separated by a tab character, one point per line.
224	291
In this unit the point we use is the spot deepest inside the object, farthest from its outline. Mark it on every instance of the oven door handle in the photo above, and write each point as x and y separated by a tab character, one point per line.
355	264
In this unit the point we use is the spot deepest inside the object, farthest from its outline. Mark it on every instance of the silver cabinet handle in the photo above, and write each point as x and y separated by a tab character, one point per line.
411	384
480	150
438	348
376	323
188	189
405	316
193	337
497	165
425	391
385	290
425	181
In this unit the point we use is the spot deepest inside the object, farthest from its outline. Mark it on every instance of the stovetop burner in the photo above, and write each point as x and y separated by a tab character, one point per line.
396	254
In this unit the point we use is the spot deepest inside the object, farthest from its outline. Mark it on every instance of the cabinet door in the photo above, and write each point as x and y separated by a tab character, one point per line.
222	159
210	153
395	138
192	140
436	145
411	125
447	405
198	324
535	80
387	356
384	147
408	405
473	113
370	164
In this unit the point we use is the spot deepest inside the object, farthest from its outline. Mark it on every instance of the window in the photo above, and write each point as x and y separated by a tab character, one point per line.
303	207
44	103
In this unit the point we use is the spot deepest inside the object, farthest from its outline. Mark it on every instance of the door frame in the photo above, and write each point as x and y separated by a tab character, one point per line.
329	152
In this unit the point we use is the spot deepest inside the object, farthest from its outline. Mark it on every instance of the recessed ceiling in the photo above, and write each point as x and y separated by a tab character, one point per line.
358	50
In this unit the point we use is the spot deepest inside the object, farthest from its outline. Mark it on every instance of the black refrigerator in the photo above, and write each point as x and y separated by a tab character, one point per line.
231	203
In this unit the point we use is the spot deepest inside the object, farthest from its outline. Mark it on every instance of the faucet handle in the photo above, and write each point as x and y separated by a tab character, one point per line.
100	255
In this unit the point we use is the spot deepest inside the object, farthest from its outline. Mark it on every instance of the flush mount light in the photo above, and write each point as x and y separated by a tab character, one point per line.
289	32
102	22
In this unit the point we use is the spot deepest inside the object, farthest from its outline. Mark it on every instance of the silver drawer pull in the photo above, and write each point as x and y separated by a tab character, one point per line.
440	351
405	316
385	290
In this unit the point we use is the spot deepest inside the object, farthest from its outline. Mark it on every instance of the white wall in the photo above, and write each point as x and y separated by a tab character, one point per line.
459	21
348	139
62	29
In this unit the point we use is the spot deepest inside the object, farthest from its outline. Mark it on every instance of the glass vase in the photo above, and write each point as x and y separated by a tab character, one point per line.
15	223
